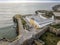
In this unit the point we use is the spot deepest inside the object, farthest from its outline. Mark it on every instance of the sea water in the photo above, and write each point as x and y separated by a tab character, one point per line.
8	32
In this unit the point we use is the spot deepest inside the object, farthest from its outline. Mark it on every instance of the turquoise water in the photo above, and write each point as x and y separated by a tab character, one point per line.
8	32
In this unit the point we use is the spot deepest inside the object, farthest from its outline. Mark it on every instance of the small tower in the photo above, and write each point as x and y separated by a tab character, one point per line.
19	24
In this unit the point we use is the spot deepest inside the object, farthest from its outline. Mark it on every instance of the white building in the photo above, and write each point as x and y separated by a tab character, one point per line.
56	13
39	21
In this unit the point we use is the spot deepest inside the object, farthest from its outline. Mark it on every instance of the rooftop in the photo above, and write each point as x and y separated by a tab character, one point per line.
39	19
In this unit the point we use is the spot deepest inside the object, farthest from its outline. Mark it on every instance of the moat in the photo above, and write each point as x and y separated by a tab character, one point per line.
8	32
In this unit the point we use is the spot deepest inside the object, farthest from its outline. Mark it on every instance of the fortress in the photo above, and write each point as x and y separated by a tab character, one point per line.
29	28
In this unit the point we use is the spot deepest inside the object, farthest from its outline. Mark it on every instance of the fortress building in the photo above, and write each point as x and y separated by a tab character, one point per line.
39	21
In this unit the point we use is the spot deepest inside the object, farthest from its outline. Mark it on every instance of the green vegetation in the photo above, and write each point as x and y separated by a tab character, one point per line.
23	21
49	14
56	26
46	13
41	11
50	38
57	17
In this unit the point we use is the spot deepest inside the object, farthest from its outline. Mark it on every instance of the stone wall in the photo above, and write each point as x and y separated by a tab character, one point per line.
41	32
55	30
28	42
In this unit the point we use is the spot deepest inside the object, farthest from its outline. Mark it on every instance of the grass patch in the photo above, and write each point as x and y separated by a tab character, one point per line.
50	38
56	26
46	16
57	17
